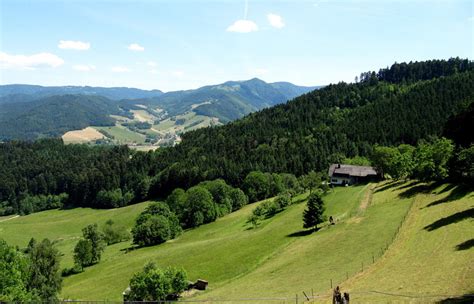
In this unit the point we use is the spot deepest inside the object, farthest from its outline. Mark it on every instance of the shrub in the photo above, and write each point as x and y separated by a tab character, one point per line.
114	233
83	254
200	208
155	225
155	284
92	233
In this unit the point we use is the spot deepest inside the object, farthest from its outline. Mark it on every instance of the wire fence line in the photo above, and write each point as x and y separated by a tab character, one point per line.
298	298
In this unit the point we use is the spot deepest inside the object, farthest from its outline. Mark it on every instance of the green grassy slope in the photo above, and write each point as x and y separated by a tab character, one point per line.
278	260
334	253
433	254
63	226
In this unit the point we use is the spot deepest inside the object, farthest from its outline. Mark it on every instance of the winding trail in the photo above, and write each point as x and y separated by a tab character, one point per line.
10	218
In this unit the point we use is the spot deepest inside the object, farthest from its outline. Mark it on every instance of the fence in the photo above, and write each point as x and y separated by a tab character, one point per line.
303	297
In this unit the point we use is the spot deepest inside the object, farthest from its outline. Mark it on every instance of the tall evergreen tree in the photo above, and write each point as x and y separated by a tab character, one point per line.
313	215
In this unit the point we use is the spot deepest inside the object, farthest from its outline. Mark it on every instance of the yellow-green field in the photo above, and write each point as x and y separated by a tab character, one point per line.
406	239
122	135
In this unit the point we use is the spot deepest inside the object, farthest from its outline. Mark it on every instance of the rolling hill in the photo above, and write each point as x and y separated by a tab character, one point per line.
384	234
326	125
228	101
54	115
19	91
31	112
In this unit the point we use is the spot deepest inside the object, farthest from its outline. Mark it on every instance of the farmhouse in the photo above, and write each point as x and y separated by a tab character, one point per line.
349	174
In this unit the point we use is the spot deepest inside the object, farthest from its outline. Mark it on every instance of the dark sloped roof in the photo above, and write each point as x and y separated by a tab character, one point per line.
351	170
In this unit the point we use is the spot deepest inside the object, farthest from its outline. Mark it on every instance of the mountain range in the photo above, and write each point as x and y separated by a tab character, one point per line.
31	112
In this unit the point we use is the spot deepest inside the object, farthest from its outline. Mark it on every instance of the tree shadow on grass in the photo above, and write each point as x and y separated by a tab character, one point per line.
299	200
449	187
456	193
454	218
302	233
465	245
409	185
389	185
467	298
414	190
131	248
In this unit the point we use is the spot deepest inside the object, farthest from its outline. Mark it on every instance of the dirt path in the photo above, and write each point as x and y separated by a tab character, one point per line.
367	199
10	218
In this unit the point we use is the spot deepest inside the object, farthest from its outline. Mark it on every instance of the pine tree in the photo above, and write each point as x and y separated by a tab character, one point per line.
313	215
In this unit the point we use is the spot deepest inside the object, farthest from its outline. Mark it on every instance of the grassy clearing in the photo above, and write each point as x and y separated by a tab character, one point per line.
143	116
227	240
123	135
63	226
81	136
192	121
278	260
312	261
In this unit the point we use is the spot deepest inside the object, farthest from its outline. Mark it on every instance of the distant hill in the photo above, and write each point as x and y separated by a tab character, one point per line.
13	92
30	112
54	115
230	100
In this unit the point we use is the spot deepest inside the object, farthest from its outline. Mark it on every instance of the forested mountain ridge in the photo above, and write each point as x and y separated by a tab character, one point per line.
54	115
305	134
227	101
216	103
115	93
323	126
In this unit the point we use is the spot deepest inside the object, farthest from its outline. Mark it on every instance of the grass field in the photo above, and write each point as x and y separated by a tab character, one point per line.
82	136
122	135
143	116
277	259
192	121
433	255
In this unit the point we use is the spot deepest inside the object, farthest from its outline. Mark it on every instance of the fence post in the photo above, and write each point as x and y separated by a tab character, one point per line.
296	298
373	259
362	266
331	283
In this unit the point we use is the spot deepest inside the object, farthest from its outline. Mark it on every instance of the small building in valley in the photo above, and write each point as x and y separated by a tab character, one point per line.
340	174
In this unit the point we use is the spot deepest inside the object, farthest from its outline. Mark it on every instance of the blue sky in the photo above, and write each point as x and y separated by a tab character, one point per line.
172	45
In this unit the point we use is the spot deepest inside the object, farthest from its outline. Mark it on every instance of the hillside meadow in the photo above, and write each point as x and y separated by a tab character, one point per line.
384	234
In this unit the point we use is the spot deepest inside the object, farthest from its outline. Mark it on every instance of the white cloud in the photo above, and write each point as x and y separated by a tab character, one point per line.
74	45
136	47
243	26
83	67
151	64
154	71
120	69
275	21
29	62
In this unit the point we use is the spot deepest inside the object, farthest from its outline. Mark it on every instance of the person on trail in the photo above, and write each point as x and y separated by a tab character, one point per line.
336	296
345	299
